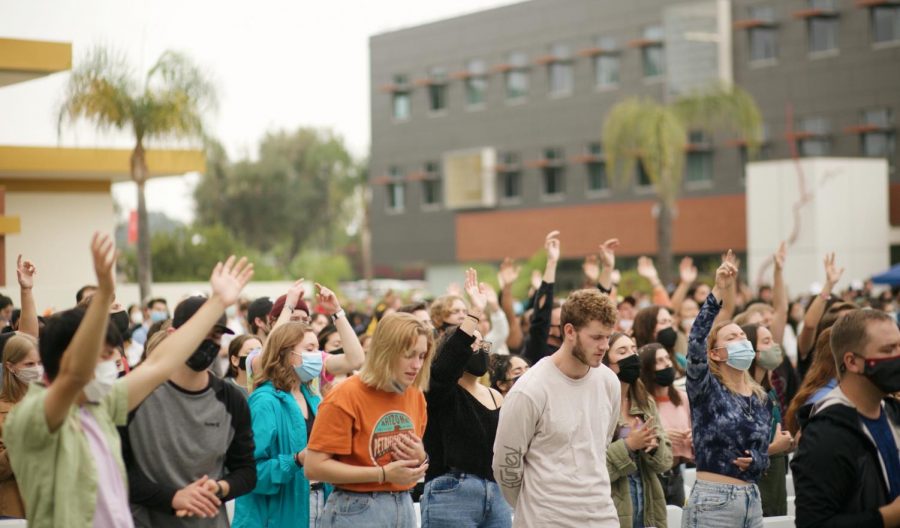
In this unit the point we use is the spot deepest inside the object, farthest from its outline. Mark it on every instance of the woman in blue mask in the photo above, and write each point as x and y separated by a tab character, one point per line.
729	416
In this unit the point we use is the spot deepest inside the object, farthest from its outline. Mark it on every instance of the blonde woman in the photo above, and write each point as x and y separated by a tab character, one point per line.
21	367
448	311
729	415
368	435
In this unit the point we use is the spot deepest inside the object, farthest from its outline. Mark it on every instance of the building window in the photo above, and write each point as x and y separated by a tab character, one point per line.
698	167
596	169
822	28
431	184
560	70
763	152
510	177
641	175
517	76
400	98
885	23
606	63
476	82
652	52
553	173
814	137
396	199
877	138
763	45
437	90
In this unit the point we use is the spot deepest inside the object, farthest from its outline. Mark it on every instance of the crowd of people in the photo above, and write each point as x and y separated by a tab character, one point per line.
586	409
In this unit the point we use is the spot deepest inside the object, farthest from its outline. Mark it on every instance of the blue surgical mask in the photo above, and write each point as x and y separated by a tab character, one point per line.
740	354
157	316
311	367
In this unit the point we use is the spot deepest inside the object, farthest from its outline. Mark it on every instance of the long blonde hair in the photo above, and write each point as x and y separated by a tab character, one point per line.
276	357
395	336
17	347
716	368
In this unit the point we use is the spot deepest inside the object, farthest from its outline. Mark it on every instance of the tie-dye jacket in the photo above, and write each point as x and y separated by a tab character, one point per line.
724	424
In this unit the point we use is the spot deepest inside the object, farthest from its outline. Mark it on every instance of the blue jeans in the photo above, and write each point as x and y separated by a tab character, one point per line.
636	486
714	505
348	509
316	507
464	500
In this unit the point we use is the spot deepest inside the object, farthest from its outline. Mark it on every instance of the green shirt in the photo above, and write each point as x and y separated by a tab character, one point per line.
55	471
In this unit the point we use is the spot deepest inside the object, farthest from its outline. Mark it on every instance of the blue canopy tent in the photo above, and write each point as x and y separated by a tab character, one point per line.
890	277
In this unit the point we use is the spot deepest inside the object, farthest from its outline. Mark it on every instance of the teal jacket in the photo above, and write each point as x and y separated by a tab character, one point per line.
281	496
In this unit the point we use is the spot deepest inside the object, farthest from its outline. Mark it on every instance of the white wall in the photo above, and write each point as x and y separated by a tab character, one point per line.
847	214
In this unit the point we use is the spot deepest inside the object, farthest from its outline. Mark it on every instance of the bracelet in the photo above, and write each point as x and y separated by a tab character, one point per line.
297	459
219	493
337	315
475	317
383	476
289	307
600	287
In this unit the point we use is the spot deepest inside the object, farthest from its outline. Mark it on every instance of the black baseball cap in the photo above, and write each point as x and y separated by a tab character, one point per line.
188	307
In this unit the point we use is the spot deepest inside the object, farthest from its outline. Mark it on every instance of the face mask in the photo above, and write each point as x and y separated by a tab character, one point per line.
231	311
311	367
664	377
740	354
884	373
120	320
478	363
204	356
337	352
137	318
686	324
667	337
626	324
156	316
629	369
105	375
242	363
770	359
29	374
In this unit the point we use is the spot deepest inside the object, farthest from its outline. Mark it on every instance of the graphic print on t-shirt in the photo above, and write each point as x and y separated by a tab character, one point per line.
386	434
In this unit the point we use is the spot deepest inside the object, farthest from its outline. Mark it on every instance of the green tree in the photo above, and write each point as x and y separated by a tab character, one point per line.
170	102
644	131
293	197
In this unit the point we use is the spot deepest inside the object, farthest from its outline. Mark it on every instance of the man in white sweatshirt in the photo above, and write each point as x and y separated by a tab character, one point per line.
556	423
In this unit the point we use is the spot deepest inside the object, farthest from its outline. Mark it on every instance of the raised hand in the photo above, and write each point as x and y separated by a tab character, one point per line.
295	293
477	296
509	272
454	289
25	272
536	279
832	272
608	253
780	256
687	271
726	273
551	244
493	301
591	268
327	300
646	269
103	251
229	279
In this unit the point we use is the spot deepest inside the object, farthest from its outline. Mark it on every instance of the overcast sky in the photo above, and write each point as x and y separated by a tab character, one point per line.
278	64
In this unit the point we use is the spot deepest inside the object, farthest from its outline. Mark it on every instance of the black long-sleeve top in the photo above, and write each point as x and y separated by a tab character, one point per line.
536	346
460	432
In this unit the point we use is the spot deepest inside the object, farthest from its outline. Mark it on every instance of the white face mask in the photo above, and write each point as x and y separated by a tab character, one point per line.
137	317
686	324
105	375
29	374
626	324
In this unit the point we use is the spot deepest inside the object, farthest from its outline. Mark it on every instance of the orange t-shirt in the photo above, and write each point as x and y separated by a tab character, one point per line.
359	424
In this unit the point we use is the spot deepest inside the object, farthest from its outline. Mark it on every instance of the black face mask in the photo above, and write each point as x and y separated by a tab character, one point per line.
120	320
478	363
242	363
337	351
667	337
629	369
664	377
204	356
884	373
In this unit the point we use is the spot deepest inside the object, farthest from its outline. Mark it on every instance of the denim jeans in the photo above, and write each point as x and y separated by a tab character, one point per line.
316	507
714	505
464	500
636	486
349	509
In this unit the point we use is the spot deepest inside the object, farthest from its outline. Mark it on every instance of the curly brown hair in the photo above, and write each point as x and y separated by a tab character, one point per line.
276	356
584	306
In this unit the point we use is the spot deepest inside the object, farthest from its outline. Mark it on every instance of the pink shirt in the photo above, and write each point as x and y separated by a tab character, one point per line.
678	418
112	498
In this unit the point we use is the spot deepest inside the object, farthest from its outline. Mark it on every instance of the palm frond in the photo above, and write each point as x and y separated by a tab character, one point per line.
101	89
178	94
723	107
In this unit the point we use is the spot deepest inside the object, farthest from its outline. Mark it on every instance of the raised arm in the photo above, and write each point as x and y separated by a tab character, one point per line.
698	361
227	281
647	269
80	358
687	274
28	320
294	294
729	294
353	356
807	338
509	273
607	258
779	293
539	329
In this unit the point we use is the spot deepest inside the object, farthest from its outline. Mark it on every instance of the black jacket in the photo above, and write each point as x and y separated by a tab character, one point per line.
838	475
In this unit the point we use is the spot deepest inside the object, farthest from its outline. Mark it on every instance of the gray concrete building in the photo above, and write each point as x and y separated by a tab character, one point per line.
486	128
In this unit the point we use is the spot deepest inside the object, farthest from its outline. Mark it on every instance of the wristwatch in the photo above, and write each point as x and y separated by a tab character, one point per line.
219	493
338	314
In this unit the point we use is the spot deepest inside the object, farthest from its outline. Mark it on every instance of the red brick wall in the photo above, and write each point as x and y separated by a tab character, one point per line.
894	204
703	225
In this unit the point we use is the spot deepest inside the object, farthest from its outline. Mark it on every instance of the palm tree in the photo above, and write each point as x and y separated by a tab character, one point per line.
169	104
655	135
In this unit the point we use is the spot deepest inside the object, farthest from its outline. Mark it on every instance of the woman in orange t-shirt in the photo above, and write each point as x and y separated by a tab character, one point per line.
367	439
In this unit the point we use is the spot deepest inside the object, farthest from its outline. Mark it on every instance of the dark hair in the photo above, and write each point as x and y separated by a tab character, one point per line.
5	301
156	327
645	325
637	391
14	318
57	334
752	333
79	295
155	300
413	307
259	308
499	367
234	348
647	353
325	333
